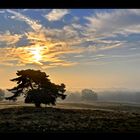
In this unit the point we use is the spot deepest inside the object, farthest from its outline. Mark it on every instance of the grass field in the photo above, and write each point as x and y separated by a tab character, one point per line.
99	117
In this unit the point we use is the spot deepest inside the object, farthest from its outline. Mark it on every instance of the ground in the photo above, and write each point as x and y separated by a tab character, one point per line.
70	117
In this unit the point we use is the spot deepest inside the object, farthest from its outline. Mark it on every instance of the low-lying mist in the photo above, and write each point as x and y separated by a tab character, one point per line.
107	96
89	96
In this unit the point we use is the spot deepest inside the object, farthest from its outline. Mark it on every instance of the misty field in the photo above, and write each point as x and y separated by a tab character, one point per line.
99	117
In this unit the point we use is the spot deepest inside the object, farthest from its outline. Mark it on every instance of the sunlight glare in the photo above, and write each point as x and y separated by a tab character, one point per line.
36	54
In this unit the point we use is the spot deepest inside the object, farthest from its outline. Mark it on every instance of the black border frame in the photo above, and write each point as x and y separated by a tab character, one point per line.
121	4
79	4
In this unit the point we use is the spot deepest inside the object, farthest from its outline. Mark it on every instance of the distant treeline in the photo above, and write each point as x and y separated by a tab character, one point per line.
118	96
2	93
85	95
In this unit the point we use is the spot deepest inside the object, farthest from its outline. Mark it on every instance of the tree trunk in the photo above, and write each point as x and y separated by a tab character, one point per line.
31	86
38	105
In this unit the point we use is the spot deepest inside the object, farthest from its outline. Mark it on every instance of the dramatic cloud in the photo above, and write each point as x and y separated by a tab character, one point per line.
41	52
80	41
56	14
18	16
9	39
116	22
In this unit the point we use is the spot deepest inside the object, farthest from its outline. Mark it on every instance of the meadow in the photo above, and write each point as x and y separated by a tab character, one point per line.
99	117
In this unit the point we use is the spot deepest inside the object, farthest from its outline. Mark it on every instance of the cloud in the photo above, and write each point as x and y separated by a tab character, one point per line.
120	21
38	36
2	11
18	16
77	26
111	47
9	39
63	64
51	47
56	14
76	41
49	51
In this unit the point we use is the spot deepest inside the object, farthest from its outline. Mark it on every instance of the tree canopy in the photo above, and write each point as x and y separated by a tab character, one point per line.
37	88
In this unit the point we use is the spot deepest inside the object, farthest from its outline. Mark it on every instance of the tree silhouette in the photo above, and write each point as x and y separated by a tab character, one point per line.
2	94
89	95
36	87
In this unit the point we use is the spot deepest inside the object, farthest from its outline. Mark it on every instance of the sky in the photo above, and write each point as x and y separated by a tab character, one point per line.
83	48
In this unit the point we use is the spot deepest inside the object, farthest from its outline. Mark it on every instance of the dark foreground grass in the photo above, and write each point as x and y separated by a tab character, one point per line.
32	120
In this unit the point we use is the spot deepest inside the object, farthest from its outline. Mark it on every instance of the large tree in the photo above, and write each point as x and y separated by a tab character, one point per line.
36	87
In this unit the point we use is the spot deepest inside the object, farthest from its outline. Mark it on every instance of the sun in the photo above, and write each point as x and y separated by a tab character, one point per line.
36	54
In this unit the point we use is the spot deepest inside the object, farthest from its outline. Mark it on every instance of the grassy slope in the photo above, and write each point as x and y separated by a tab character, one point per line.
99	117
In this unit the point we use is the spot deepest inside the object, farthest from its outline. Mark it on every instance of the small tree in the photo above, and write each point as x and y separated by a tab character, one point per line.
2	93
36	87
89	95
